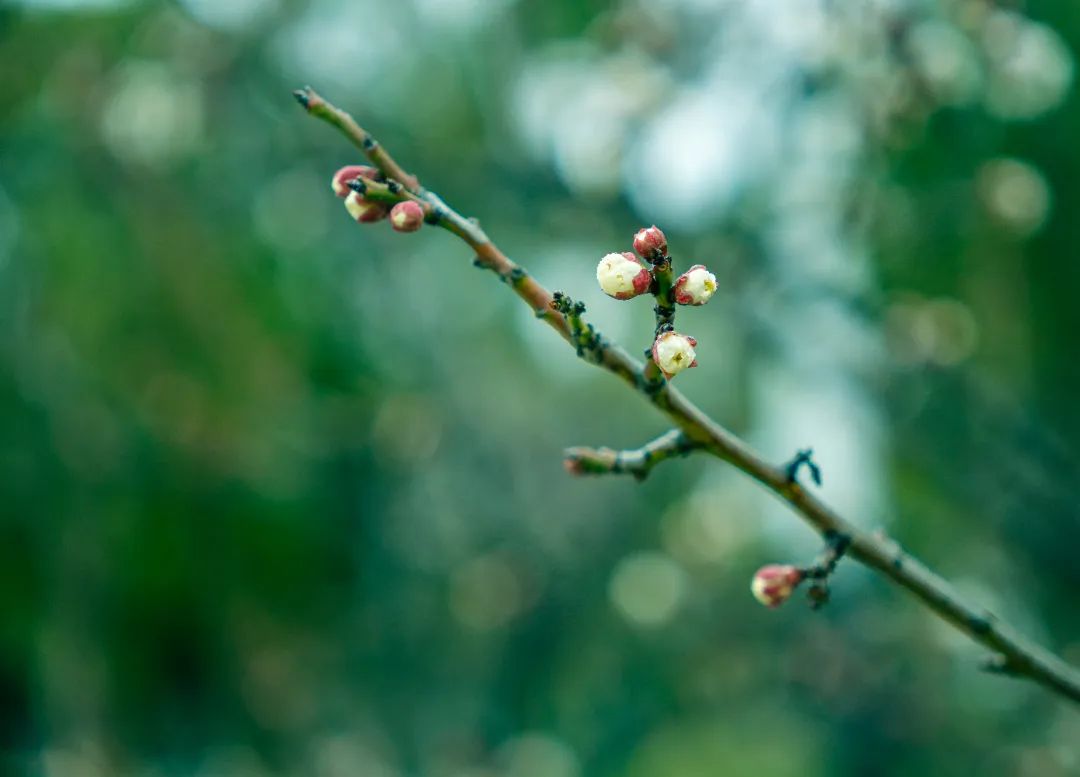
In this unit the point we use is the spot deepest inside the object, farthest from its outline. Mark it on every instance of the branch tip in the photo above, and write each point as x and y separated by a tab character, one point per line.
638	462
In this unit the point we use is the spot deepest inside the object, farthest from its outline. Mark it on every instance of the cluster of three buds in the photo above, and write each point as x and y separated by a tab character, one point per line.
405	216
623	276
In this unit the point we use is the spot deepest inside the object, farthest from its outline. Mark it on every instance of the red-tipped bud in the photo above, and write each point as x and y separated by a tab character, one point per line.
573	465
774	584
674	353
650	243
695	286
340	182
622	276
407	216
365	211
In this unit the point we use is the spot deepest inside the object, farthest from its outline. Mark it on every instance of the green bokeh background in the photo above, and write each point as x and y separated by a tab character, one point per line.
283	495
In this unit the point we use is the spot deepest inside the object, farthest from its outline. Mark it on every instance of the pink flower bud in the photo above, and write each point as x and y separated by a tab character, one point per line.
407	216
650	242
340	182
774	584
695	286
365	211
674	353
622	276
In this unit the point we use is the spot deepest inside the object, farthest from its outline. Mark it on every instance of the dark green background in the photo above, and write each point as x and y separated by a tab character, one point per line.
283	495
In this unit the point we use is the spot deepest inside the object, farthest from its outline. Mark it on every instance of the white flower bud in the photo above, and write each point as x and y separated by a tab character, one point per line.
622	276
674	353
695	286
773	584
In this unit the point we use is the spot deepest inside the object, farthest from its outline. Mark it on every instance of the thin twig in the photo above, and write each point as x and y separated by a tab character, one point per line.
877	551
638	462
824	565
665	314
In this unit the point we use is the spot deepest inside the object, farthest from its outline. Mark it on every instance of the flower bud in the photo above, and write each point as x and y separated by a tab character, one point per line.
622	276
674	353
365	211
774	584
573	465
650	242
340	182
407	216
695	286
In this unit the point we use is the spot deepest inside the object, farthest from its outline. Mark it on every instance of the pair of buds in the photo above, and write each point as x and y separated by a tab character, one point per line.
405	216
623	276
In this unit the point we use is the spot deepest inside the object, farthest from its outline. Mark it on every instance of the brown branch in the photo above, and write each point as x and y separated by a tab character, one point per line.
1022	657
317	106
637	462
487	254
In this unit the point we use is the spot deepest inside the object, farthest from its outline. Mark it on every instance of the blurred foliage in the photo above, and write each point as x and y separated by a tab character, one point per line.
282	495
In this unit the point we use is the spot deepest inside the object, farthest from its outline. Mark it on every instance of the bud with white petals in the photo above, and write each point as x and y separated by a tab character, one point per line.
674	353
406	216
650	243
622	276
365	211
695	286
774	584
340	182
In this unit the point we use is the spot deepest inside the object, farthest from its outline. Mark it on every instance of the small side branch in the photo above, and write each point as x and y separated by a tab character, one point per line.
638	462
314	104
818	573
389	191
663	281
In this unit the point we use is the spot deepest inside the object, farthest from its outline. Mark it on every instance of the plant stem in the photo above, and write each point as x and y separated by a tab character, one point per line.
1013	653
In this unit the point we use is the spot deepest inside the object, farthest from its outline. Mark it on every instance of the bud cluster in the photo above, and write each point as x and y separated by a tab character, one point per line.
405	216
625	276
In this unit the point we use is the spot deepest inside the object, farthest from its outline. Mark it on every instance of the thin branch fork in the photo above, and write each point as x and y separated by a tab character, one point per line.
1011	653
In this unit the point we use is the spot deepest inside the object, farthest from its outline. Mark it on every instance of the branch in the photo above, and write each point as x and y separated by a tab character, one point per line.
875	550
637	462
824	565
664	310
